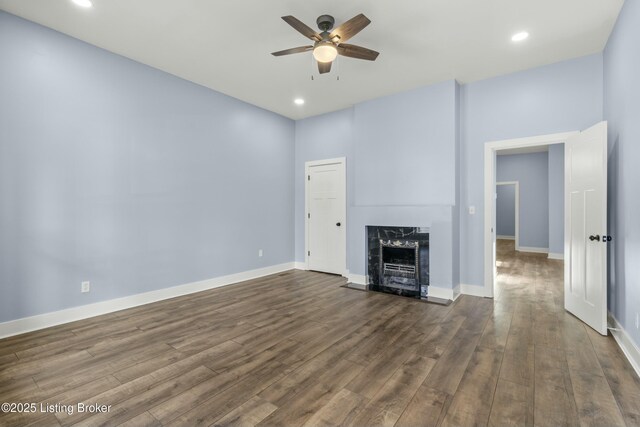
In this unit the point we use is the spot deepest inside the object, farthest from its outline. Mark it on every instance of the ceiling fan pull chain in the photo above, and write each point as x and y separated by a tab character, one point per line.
313	67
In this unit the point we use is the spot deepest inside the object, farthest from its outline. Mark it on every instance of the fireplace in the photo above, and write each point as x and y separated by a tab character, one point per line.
398	260
399	266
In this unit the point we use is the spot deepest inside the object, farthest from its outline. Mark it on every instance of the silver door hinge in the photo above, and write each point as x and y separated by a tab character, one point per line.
308	177
308	215
308	253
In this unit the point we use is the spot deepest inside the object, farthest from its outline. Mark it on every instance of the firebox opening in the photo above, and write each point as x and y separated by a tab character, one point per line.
398	260
399	267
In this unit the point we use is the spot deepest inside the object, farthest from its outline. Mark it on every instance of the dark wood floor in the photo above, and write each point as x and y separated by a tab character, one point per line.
297	349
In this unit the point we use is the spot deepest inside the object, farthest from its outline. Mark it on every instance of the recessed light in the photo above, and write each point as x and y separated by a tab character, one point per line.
83	3
298	101
518	37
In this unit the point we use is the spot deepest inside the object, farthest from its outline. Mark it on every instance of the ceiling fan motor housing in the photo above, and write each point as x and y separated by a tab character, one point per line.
325	22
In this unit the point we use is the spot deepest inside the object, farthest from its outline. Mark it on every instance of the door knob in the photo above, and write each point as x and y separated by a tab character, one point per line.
592	238
338	224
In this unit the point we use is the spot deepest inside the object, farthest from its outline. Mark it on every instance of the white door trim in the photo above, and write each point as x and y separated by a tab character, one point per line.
517	219
490	149
340	161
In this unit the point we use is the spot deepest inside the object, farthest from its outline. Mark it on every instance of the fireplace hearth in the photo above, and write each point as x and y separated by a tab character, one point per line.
398	260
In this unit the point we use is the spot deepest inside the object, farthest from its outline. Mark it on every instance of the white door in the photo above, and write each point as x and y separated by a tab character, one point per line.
326	212
585	273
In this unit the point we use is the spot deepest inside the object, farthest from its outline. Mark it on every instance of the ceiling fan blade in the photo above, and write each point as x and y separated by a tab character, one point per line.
292	50
350	28
324	67
301	27
358	52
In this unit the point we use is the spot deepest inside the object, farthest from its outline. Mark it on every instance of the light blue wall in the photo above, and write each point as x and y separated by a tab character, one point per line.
561	97
419	188
402	143
622	110
506	210
114	172
456	209
532	172
556	199
541	177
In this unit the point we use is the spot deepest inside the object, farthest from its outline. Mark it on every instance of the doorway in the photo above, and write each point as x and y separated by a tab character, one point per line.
326	217
491	151
584	249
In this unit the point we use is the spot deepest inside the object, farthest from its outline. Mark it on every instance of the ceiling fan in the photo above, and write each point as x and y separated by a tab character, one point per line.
330	42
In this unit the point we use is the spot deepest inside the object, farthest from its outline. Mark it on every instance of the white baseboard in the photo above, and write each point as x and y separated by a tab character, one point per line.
46	320
461	289
357	279
300	265
473	290
456	292
442	293
555	256
533	250
506	237
628	347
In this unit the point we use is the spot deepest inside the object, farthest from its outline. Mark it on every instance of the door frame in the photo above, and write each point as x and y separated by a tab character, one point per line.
342	161
490	149
516	184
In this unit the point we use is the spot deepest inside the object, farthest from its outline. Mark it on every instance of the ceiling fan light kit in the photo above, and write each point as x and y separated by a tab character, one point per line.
330	43
325	52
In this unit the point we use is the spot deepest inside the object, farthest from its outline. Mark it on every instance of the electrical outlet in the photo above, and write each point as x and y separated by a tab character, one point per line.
472	210
260	252
637	320
85	287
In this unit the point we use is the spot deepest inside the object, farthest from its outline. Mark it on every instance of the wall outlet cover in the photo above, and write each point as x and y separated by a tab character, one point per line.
85	287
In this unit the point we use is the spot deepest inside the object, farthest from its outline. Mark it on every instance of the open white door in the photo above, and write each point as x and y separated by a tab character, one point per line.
326	216
585	272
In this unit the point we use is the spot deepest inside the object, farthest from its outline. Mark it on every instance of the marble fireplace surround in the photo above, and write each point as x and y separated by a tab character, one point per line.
444	254
394	236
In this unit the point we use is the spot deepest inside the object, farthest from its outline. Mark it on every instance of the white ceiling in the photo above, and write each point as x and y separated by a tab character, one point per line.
226	45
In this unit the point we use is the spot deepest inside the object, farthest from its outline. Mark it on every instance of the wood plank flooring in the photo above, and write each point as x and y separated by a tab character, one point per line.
296	349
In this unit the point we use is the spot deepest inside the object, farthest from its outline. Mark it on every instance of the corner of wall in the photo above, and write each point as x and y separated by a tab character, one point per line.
456	224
